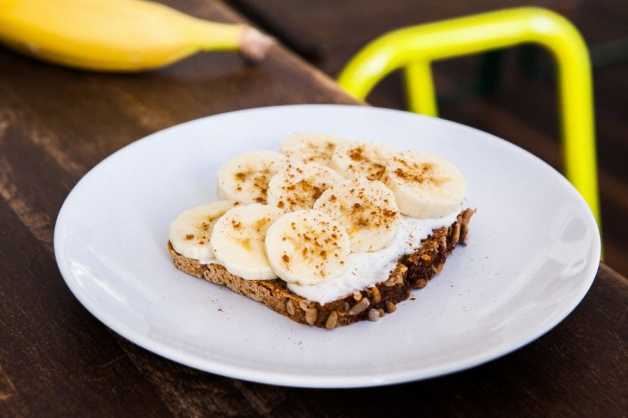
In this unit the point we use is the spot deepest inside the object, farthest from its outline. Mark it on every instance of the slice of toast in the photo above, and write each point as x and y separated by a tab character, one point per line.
413	271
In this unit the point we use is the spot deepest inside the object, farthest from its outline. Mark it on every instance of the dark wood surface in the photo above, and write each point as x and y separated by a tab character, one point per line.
518	101
56	360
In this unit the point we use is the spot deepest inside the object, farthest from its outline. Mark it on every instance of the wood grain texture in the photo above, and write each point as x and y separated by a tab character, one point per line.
56	360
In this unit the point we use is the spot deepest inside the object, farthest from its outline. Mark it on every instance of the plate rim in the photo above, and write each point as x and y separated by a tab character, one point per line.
306	380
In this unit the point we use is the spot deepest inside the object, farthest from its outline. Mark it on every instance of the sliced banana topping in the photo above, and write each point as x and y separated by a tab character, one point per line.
191	231
307	247
310	148
238	240
245	178
298	185
425	185
367	209
360	159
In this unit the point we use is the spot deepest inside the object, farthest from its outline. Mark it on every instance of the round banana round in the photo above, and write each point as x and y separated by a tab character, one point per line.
360	159
190	232
311	148
245	178
307	247
366	208
238	240
299	185
425	185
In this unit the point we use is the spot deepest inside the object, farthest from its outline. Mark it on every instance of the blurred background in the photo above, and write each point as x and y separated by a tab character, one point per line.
510	93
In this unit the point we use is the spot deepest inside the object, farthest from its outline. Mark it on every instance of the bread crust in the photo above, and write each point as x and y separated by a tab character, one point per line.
413	271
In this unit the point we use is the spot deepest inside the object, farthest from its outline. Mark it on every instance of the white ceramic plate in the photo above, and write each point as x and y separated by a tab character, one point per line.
533	253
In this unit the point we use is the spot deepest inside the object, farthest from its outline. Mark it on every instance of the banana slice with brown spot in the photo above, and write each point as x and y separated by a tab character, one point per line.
307	247
299	185
245	178
366	208
238	240
190	232
311	148
361	159
425	185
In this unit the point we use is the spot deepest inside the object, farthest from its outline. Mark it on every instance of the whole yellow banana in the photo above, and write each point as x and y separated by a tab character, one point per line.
118	35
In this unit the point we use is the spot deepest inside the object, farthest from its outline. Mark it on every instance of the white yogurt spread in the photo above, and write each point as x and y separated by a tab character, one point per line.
368	269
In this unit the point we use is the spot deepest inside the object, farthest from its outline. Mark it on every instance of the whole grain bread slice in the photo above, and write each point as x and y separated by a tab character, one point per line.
413	271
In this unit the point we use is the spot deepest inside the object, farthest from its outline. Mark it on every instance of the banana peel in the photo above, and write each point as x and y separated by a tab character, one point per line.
118	35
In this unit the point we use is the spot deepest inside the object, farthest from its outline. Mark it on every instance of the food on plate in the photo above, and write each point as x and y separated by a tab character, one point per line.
361	159
311	148
245	178
298	185
328	232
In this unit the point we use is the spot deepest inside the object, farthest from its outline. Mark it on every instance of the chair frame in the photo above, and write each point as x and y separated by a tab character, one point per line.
414	48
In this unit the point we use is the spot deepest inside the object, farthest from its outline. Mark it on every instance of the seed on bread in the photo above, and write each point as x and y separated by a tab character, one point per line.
290	307
374	314
332	320
455	234
359	307
377	296
311	315
420	284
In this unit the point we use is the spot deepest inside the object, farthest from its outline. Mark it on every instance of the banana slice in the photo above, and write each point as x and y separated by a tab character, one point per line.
307	247
245	178
238	240
311	148
299	185
360	159
366	208
191	230
425	185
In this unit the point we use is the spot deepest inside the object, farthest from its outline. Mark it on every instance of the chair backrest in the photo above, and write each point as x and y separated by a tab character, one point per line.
414	48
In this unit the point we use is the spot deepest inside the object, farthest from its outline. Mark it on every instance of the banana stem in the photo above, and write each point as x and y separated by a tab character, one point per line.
213	36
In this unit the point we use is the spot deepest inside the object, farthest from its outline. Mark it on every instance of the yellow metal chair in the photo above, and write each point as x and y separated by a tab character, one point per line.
414	48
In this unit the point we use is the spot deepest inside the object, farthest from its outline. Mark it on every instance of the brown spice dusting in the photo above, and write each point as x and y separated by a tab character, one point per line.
357	153
261	224
189	237
421	173
376	171
285	258
246	243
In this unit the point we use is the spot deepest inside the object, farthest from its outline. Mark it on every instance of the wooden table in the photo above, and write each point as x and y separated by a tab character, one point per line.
56	360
